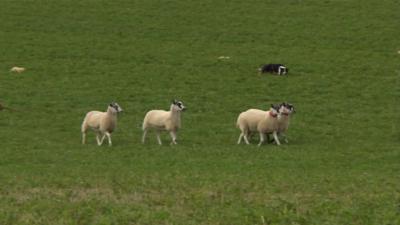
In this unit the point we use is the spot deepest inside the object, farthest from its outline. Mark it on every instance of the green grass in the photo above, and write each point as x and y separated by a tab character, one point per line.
340	167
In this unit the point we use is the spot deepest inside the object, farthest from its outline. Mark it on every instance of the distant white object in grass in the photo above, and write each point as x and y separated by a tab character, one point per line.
224	57
398	51
102	123
17	69
161	120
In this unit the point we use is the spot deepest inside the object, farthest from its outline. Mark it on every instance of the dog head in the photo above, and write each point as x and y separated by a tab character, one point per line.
283	70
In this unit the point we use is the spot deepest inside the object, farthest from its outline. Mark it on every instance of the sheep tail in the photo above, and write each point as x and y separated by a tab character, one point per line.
144	126
84	126
237	123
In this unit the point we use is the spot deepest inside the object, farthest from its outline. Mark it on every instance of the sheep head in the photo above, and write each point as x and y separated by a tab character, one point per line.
286	108
115	108
178	105
274	109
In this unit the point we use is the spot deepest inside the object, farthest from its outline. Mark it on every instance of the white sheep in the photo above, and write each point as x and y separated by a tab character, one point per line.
17	69
285	110
161	120
255	120
102	123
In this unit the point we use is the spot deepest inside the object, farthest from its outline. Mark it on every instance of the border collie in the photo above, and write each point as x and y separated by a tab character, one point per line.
279	69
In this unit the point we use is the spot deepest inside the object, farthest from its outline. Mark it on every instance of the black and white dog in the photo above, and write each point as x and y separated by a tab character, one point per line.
280	69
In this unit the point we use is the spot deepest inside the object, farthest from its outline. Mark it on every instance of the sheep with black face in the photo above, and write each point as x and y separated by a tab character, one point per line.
161	120
256	120
285	112
102	123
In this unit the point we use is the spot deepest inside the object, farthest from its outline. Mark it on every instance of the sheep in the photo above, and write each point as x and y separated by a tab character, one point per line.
285	110
161	120
255	120
102	123
17	69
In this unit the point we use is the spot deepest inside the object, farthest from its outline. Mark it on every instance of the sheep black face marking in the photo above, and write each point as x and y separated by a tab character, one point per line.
115	106
275	108
288	106
180	105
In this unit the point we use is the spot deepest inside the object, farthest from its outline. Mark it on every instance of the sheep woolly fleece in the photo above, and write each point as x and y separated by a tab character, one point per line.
256	120
102	123
161	120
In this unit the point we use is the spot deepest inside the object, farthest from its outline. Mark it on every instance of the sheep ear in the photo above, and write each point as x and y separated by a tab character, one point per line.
174	101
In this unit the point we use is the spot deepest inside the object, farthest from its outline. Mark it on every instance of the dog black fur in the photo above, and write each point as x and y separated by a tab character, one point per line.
279	69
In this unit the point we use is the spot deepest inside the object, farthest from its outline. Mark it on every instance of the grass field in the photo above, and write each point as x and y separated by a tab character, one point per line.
341	165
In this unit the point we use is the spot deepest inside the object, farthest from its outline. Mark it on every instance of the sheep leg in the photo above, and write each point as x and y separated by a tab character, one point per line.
144	136
240	138
276	138
99	141
173	136
158	137
262	139
83	138
109	138
102	138
245	136
83	130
